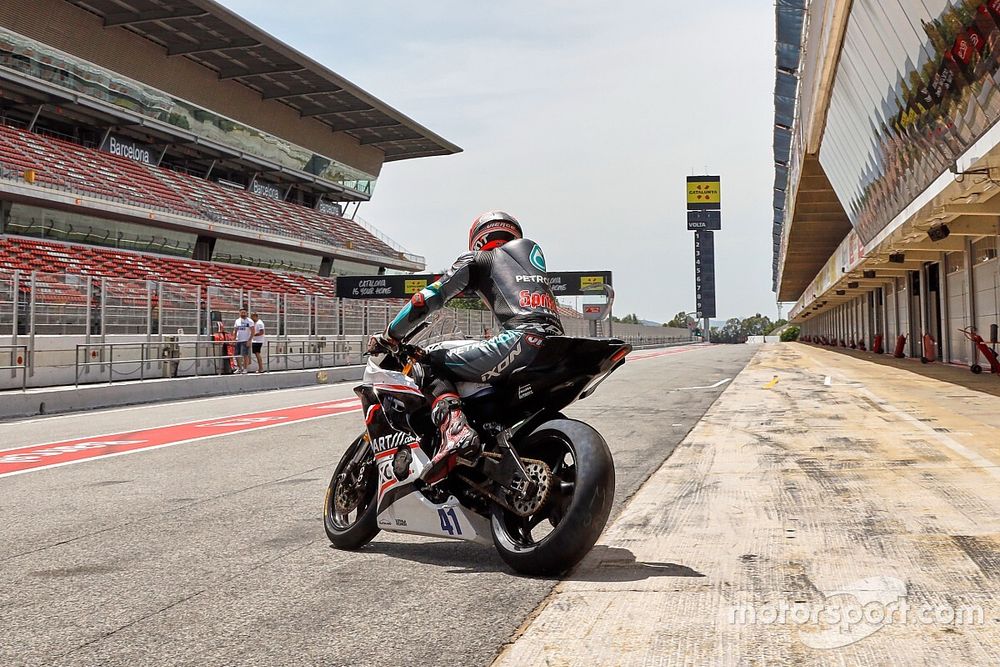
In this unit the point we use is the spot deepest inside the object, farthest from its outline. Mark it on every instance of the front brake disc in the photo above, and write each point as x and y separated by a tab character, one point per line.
348	496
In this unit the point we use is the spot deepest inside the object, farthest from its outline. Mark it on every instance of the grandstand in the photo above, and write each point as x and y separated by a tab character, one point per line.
181	130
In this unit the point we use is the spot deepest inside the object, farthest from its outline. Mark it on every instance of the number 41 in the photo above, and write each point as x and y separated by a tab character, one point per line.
449	521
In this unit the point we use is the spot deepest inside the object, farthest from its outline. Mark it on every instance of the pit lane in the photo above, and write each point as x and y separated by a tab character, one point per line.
212	552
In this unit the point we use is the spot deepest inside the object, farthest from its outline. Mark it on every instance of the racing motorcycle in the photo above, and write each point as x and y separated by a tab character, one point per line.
541	491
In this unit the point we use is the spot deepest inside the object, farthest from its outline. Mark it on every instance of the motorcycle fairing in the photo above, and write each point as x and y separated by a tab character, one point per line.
415	513
388	398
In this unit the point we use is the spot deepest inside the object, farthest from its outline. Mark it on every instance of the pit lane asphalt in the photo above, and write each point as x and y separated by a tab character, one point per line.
213	552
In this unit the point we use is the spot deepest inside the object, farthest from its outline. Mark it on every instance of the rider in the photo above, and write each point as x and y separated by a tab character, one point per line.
507	271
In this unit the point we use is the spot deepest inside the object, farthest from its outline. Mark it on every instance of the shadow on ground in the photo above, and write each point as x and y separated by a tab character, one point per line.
602	564
462	557
613	564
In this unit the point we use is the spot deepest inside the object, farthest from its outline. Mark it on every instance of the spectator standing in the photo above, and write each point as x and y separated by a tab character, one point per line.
243	330
258	339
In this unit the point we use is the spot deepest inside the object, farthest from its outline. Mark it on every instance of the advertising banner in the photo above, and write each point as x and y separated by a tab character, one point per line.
332	208
703	192
382	287
576	283
266	190
563	283
130	150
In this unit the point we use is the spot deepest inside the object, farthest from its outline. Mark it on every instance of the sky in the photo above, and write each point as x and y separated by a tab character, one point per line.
581	118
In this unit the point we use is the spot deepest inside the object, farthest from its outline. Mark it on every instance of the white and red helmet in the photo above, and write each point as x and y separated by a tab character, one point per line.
492	229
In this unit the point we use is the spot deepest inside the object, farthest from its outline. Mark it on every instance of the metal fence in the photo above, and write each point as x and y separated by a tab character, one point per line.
302	330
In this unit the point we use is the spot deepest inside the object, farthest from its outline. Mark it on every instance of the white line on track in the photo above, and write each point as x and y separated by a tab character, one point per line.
333	403
171	444
711	386
146	406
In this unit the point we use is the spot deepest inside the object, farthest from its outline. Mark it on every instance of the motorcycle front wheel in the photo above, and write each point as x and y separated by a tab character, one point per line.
349	511
567	526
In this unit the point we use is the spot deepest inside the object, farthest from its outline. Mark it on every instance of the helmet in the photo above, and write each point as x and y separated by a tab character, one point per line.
492	229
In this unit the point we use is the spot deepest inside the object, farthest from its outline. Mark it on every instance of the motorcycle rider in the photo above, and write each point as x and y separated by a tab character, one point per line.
507	271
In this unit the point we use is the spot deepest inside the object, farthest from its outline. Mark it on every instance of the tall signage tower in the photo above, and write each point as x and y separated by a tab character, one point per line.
704	218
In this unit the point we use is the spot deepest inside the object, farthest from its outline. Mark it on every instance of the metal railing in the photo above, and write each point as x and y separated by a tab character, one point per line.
17	356
147	361
386	239
128	322
162	354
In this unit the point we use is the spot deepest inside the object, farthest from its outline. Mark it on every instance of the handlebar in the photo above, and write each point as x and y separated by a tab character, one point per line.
406	351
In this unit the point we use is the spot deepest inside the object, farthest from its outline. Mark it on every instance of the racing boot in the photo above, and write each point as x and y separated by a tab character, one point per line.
459	442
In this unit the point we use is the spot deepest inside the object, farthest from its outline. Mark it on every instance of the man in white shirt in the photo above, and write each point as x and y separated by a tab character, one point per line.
242	331
258	339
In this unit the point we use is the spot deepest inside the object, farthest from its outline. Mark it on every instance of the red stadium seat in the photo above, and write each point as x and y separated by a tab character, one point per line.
64	164
46	257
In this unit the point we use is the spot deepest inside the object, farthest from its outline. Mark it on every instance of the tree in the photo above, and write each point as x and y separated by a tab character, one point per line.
681	321
756	325
628	319
463	303
790	334
775	325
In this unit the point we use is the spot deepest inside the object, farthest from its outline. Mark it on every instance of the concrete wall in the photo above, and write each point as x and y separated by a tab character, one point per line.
54	359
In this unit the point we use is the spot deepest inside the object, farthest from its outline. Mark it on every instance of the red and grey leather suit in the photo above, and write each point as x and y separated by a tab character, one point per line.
511	281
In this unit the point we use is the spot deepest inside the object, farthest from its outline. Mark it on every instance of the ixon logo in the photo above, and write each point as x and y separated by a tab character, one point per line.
502	366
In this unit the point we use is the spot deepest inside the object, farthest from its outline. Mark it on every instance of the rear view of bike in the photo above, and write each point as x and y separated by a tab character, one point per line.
542	491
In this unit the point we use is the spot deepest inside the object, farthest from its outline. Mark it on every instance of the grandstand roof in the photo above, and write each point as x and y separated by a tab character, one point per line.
216	38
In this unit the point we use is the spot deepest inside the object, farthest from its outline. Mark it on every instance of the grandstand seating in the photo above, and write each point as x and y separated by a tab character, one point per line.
48	258
568	312
63	164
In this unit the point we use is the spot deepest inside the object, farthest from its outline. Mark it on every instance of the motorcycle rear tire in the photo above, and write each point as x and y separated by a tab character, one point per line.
365	526
579	528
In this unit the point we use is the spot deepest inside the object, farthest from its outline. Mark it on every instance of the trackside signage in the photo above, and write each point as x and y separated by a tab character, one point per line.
382	287
130	150
563	283
329	207
704	220
704	274
266	190
578	283
704	192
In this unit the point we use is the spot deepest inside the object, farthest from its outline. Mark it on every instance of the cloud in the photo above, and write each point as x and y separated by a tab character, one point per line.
581	118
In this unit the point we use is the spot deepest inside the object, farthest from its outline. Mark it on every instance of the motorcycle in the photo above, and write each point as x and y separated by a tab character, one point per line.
542	489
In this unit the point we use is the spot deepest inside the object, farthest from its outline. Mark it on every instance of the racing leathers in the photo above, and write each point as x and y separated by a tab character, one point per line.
512	282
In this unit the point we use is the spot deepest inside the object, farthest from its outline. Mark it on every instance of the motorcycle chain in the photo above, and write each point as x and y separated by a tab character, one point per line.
537	504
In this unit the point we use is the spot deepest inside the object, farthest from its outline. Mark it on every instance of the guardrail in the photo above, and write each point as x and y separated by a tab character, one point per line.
104	355
18	355
52	316
169	358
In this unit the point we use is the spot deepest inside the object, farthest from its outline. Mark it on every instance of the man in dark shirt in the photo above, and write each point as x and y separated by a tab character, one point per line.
507	271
